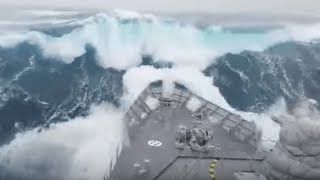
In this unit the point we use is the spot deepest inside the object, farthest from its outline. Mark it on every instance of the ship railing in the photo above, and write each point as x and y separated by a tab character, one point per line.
242	129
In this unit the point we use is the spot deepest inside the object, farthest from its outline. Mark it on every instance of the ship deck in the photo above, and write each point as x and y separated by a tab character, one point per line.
153	139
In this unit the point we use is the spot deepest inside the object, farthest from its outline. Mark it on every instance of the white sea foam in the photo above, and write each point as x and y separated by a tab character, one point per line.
296	155
152	103
121	44
81	148
39	13
137	79
193	104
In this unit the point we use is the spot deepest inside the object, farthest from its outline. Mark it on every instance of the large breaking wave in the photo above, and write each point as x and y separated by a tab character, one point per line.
164	40
56	80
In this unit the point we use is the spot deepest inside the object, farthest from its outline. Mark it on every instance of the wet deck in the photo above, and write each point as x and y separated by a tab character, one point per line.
153	139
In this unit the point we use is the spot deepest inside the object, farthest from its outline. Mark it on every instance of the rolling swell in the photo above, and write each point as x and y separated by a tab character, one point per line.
252	81
36	90
55	74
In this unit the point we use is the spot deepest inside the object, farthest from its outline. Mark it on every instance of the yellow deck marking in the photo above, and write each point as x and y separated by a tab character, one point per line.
212	170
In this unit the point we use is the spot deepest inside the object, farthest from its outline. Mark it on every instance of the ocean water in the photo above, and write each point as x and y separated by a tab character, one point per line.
65	85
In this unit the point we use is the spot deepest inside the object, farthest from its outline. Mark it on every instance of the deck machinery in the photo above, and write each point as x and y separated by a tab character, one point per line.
154	151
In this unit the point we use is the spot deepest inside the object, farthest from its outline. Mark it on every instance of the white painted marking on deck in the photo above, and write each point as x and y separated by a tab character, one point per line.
154	143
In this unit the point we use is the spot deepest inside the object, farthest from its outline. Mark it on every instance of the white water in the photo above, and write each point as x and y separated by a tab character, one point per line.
122	40
299	135
202	86
81	148
85	146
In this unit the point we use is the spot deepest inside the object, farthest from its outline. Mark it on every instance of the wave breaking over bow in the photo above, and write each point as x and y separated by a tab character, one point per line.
64	87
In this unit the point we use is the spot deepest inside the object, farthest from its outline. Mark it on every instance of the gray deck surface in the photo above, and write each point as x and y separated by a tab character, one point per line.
189	169
162	125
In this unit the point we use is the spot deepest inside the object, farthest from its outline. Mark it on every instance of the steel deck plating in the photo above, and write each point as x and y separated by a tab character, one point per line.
152	154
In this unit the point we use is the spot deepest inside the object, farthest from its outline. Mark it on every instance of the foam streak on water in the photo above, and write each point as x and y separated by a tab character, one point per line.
82	148
165	40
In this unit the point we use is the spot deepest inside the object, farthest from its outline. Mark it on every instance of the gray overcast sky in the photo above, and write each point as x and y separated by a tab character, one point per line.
288	7
256	11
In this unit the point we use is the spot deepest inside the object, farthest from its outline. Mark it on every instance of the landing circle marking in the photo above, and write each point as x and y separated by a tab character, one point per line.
154	143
